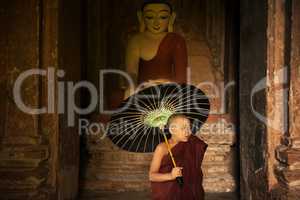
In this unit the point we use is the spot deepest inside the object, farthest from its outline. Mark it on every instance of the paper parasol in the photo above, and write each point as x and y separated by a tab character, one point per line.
137	126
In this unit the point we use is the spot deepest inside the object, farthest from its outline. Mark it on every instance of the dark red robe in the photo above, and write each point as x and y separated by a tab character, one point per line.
170	62
188	155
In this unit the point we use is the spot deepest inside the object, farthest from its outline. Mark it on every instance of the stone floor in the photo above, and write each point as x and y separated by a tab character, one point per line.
146	196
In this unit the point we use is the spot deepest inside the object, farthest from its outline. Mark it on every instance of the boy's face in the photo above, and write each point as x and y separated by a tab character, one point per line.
181	129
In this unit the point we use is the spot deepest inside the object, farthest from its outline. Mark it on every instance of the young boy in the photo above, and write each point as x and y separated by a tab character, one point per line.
188	151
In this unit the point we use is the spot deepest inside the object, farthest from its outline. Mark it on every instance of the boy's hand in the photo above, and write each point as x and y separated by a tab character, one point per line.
176	171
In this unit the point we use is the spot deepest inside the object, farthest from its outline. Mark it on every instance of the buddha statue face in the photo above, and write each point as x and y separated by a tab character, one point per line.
156	17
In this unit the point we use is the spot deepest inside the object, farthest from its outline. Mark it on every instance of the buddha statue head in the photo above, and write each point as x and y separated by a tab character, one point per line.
156	16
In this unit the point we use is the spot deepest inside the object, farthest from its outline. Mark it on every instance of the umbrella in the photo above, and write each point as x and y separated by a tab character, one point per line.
137	124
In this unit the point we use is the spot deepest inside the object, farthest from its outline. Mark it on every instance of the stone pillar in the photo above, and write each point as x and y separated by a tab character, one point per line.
252	69
288	153
23	152
39	154
276	113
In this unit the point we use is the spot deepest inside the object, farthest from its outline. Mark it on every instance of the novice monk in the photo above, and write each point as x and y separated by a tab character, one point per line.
188	151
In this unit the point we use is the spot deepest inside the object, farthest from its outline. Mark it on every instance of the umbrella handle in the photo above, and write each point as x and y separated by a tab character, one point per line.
169	149
179	179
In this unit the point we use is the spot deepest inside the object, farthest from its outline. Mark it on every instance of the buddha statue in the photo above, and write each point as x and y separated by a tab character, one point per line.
156	54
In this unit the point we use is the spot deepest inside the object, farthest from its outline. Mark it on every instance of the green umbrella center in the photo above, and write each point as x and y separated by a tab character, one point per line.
158	117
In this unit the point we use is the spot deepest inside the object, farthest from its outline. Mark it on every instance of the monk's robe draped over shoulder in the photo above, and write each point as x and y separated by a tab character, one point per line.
170	61
188	155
